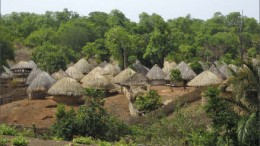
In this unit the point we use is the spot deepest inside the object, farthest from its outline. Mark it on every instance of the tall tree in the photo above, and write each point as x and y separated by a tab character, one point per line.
119	42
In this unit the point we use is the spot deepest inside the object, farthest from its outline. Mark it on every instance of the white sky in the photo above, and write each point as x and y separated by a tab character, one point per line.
168	9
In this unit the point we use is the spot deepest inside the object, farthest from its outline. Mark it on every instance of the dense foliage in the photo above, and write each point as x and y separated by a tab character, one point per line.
235	117
91	120
150	40
149	101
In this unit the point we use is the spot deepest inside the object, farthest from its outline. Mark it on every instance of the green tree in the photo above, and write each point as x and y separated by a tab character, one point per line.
51	57
119	42
148	102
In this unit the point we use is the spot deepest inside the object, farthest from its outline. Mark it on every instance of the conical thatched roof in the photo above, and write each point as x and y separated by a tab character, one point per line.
33	74
97	81
98	70
92	61
7	70
167	67
74	73
140	68
155	73
123	76
136	80
216	71
23	65
41	83
32	64
6	74
83	66
112	69
70	64
205	78
66	87
59	75
225	71
186	72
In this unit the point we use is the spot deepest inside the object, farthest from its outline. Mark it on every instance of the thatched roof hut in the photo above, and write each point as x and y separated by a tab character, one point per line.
33	74
186	72
70	64
140	68
92	61
112	69
40	85
216	71
136	80
156	75
205	78
75	73
123	76
96	81
67	90
224	70
59	75
168	66
98	70
6	74
83	66
23	68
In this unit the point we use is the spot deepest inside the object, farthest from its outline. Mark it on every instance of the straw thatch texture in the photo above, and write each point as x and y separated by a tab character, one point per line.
59	75
123	76
66	87
34	73
216	71
83	66
98	70
70	64
23	65
224	70
136	80
92	61
205	78
40	85
155	73
186	72
140	68
112	69
167	67
96	81
74	73
32	64
6	74
7	70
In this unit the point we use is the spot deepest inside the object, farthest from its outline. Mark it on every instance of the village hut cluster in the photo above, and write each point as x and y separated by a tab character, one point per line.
68	86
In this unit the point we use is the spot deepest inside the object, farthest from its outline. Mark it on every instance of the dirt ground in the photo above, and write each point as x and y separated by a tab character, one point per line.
42	112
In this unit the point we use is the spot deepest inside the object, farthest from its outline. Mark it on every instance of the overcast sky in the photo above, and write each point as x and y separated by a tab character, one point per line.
168	9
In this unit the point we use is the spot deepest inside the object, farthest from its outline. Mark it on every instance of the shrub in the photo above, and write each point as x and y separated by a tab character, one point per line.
20	141
83	140
3	141
196	67
65	125
149	101
94	93
7	130
175	75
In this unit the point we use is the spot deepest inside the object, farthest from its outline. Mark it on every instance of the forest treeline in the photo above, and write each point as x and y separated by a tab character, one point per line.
58	38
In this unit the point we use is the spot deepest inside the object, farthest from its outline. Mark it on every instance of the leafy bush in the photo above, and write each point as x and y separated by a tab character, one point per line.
3	141
90	120
7	130
83	140
175	75
20	141
196	67
94	93
65	125
149	101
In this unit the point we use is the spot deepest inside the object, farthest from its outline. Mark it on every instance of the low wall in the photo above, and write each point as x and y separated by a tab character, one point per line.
167	109
14	95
